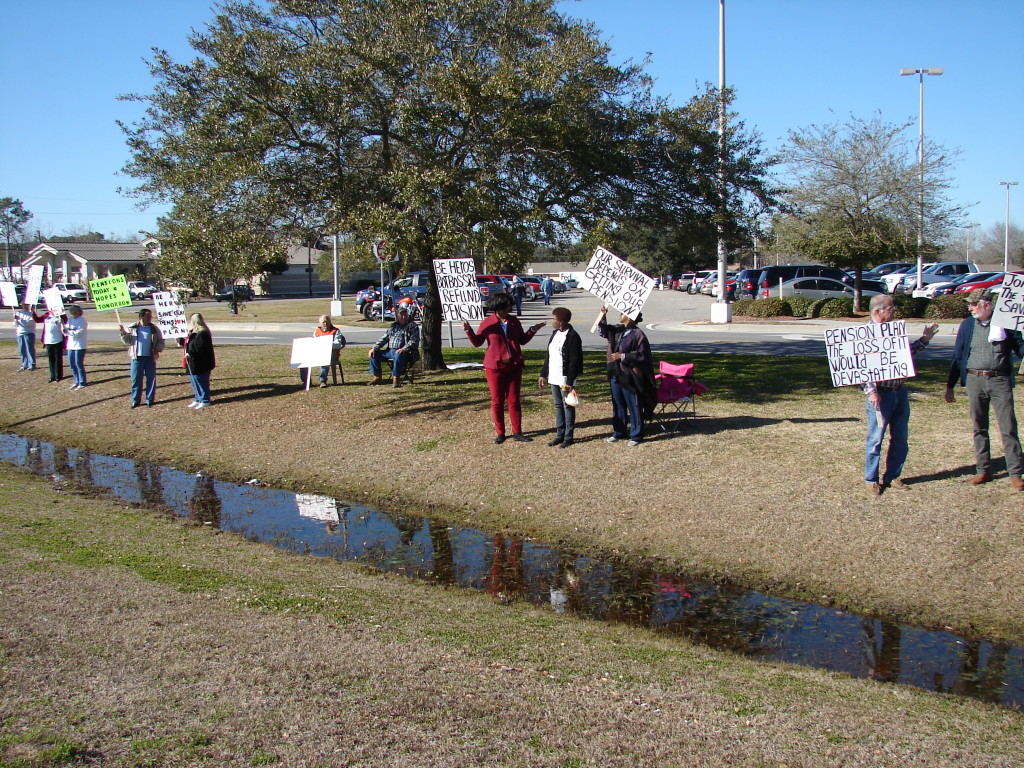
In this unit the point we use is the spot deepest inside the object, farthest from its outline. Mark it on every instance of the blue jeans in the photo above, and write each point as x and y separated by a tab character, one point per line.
398	362
27	349
76	361
565	415
626	413
200	386
143	366
894	408
304	372
547	298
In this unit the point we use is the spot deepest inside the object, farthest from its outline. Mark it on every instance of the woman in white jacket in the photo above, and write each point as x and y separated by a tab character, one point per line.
76	329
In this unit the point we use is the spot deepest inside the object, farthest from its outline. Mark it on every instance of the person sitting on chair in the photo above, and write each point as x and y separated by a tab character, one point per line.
326	328
400	346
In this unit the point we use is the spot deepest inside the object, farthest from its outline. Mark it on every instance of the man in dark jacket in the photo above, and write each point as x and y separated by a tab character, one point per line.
631	376
983	362
563	364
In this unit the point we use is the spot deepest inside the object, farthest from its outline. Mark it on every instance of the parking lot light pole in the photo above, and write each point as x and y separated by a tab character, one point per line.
920	72
1006	230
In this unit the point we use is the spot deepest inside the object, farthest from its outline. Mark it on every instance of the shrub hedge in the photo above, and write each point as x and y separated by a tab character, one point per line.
940	308
842	307
801	306
947	308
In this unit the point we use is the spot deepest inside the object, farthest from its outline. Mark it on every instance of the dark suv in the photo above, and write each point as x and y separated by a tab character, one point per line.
772	276
746	284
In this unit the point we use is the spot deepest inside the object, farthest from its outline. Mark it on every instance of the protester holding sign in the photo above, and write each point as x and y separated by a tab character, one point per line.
199	360
503	362
53	340
631	376
145	343
888	408
76	331
983	362
25	320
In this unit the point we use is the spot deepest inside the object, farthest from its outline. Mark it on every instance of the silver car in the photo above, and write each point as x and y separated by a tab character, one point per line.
818	288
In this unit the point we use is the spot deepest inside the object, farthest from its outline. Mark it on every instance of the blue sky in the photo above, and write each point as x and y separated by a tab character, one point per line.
792	63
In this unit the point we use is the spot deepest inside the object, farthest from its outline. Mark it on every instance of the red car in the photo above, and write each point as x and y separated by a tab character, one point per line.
990	283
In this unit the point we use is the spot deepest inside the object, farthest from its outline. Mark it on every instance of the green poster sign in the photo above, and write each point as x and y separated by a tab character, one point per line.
110	292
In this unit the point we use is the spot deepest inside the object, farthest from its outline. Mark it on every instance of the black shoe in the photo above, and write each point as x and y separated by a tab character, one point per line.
133	405
149	405
556	441
519	437
499	440
567	443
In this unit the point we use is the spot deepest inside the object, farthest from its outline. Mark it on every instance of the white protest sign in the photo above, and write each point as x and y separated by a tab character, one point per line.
33	284
311	351
54	301
1009	309
10	296
460	296
170	315
869	352
616	282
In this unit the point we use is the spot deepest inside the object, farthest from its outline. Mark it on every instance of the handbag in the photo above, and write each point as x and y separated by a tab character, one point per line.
572	399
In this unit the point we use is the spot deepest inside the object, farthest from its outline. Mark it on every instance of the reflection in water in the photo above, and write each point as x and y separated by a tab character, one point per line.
510	569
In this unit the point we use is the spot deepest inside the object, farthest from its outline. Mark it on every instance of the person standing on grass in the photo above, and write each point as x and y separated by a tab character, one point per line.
983	363
76	331
563	364
53	340
145	343
25	322
631	376
888	409
503	362
199	360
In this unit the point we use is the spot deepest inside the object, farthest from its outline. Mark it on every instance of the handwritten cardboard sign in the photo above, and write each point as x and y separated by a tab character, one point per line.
54	301
869	352
170	315
460	296
33	284
9	294
110	292
617	283
1008	311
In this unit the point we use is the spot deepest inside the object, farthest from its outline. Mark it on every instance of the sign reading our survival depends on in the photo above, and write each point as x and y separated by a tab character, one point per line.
870	352
616	282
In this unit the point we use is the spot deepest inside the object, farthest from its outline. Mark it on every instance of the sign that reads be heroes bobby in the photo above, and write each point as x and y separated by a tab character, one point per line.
456	282
617	283
870	352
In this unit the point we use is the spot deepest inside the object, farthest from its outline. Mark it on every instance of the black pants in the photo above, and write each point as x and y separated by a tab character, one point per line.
55	357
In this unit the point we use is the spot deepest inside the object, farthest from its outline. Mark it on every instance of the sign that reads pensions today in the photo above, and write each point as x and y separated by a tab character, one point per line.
616	282
110	292
170	315
869	352
1009	308
460	296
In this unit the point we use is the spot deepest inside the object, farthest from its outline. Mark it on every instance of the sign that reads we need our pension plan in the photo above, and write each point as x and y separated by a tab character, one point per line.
616	282
869	352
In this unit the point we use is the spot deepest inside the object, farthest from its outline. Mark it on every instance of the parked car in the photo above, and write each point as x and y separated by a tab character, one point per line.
707	287
746	283
139	289
571	283
818	288
772	276
893	278
488	286
71	292
413	284
992	282
533	291
882	270
939	272
932	290
698	279
236	292
684	281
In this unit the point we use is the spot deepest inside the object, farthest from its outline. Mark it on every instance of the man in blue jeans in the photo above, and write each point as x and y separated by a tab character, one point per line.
888	408
400	346
145	343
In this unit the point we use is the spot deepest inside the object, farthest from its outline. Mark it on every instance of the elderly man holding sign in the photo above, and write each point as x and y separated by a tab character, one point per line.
983	363
888	408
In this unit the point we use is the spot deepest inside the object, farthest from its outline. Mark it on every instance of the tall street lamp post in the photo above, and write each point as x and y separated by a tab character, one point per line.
1006	231
721	311
920	159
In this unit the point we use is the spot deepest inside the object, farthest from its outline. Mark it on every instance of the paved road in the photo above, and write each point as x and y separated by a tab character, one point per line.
673	321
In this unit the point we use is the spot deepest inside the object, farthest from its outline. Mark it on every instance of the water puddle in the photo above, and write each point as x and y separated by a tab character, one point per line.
510	568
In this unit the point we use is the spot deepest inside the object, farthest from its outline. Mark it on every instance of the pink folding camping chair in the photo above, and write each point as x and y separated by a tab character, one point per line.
677	389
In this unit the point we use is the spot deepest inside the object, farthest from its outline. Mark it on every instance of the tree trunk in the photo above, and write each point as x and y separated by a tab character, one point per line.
433	357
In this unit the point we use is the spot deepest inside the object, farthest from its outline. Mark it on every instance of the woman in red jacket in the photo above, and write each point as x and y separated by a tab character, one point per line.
503	362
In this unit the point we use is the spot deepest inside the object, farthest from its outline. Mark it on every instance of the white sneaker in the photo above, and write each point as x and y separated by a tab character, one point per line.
612	439
200	406
632	443
194	404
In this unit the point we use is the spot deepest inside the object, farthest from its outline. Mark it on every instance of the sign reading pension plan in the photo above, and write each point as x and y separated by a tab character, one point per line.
110	292
460	296
870	352
170	315
1009	309
616	282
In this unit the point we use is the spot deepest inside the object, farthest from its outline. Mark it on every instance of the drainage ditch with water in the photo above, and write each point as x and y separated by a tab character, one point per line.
743	621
